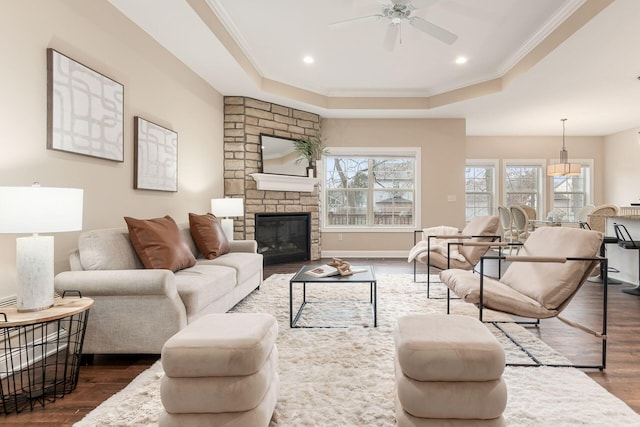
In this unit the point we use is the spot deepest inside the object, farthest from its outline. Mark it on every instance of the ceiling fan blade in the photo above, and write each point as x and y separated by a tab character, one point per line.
391	37
433	30
362	18
419	4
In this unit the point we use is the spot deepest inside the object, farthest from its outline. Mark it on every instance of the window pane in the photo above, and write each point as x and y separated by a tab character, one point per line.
522	179
478	179
522	185
393	173
393	207
347	172
477	205
346	207
570	193
479	188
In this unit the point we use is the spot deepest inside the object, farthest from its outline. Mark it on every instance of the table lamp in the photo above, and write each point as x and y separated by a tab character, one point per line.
37	210
224	208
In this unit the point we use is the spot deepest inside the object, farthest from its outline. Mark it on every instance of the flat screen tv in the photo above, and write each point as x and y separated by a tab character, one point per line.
280	158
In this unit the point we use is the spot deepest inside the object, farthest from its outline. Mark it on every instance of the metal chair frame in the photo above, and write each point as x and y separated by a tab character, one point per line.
537	362
443	237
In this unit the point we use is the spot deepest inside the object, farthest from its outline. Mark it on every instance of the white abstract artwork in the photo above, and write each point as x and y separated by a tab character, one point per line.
84	110
156	157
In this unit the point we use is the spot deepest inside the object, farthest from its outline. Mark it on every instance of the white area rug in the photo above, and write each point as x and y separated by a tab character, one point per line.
344	377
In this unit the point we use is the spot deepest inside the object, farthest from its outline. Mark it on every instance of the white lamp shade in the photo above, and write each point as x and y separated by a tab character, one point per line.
40	209
224	208
37	210
563	169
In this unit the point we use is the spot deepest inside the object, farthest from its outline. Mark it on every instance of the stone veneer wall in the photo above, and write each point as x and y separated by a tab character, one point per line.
244	120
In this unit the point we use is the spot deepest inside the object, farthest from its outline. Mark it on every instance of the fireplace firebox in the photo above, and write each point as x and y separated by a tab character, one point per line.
283	237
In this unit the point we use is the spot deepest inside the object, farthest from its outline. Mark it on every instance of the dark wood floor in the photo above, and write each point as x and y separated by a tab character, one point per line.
109	374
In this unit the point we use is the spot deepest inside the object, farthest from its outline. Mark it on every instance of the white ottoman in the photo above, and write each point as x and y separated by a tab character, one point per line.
221	369
448	372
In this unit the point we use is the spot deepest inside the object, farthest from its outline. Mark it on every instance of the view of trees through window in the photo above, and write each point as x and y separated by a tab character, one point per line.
479	191
367	191
523	185
570	193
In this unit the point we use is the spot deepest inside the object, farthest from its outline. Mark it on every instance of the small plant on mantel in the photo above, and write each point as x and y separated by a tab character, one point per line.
310	148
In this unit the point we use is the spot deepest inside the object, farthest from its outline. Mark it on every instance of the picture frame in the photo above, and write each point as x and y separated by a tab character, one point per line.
85	110
155	156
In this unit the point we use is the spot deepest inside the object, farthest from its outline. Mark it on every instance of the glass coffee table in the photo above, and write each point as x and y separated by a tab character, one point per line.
302	278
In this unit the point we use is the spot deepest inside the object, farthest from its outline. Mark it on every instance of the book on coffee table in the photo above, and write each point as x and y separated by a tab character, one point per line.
323	271
327	270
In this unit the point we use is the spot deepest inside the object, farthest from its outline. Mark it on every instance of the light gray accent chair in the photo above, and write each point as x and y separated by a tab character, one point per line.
136	309
540	282
479	229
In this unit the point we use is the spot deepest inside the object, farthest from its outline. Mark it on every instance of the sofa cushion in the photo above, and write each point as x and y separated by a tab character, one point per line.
245	264
202	284
159	243
208	235
107	249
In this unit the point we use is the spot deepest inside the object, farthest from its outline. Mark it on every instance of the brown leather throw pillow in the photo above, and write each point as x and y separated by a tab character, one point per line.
208	235
159	243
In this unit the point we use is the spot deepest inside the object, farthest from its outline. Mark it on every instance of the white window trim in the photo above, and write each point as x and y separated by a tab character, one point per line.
528	162
415	152
582	162
497	184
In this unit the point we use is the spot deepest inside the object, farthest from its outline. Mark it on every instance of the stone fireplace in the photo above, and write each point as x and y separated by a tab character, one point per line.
244	120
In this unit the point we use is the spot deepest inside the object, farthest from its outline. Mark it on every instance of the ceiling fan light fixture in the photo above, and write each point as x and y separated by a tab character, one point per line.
564	168
461	60
398	11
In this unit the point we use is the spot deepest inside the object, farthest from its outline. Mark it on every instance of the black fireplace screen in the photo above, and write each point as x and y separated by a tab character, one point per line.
283	237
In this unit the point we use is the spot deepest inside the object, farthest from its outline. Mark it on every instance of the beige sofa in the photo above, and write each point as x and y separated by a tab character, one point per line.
136	309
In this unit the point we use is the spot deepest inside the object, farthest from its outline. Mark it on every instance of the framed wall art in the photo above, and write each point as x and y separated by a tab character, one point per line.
84	110
155	156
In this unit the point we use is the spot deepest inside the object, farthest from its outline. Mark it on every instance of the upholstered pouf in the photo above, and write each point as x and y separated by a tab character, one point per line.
221	369
448	372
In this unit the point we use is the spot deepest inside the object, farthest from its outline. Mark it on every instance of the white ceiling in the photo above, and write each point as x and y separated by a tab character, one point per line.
591	78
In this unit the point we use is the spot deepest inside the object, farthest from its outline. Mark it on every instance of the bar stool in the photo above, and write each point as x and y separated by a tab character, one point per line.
626	242
606	240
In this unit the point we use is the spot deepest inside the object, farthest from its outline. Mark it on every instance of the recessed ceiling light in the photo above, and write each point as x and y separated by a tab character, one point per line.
461	60
308	59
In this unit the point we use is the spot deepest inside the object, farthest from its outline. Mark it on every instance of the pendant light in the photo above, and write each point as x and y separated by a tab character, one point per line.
564	168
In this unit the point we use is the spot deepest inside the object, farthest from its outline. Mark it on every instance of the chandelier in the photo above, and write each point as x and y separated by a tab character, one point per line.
564	168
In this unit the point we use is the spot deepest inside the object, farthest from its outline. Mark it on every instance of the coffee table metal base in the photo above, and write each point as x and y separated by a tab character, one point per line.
302	278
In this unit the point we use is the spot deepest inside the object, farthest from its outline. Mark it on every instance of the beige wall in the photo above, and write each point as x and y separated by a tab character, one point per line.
156	86
541	147
443	159
622	183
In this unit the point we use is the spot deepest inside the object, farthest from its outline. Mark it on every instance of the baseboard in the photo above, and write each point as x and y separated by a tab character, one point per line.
365	254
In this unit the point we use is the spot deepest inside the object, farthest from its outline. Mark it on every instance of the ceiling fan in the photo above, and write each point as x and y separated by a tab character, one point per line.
400	11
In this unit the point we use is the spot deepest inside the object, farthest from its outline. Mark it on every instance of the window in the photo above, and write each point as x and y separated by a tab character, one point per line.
371	189
480	188
571	193
523	183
